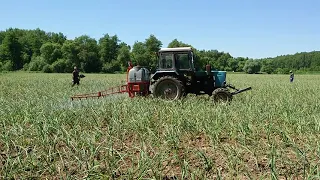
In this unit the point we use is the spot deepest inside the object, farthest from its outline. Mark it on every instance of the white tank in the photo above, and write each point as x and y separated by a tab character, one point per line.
139	74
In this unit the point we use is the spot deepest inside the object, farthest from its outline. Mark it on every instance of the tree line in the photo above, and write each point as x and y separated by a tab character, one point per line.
38	50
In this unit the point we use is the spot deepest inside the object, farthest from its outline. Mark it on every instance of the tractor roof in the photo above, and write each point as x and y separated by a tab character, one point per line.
176	49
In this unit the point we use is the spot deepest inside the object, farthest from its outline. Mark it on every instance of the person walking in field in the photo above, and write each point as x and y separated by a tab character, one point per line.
75	76
291	76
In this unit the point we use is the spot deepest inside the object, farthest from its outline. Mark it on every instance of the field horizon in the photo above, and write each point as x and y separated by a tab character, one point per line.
269	132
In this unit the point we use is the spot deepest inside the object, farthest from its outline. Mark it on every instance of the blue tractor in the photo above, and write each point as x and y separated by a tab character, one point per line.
176	76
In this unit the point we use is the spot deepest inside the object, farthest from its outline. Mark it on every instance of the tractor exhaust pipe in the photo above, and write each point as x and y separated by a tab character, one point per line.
208	70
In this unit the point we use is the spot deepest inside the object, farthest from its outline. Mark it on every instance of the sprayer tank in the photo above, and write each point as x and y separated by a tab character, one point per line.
138	74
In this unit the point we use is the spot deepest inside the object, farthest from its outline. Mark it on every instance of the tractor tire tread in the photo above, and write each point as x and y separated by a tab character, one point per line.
179	83
221	90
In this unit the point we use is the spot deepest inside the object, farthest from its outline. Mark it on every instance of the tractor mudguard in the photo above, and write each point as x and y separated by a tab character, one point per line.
158	74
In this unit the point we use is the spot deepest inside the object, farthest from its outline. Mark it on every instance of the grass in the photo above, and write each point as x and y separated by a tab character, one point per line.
270	132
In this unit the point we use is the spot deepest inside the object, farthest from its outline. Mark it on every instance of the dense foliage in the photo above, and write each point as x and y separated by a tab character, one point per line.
37	50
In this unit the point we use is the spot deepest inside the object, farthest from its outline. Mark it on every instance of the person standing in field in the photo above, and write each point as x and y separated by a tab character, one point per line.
75	76
291	76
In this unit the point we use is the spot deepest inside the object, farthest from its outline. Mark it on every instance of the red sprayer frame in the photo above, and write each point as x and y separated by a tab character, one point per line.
132	88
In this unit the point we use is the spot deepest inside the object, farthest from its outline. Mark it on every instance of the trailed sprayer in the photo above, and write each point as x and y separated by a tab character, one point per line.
176	76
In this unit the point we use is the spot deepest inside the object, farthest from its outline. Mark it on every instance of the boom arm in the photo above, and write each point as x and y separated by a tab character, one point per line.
237	90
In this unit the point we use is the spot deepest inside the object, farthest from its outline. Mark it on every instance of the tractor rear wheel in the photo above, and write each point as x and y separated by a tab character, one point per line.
169	88
221	95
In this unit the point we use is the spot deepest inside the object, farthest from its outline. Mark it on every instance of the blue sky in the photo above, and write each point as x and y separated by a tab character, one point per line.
247	28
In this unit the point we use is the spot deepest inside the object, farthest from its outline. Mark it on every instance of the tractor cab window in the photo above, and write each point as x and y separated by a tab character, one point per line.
182	61
166	61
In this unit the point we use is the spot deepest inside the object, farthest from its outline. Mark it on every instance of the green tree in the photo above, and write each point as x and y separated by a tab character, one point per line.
139	54
109	46
153	45
123	56
267	66
251	66
88	54
11	50
70	51
143	53
51	52
233	65
58	38
175	43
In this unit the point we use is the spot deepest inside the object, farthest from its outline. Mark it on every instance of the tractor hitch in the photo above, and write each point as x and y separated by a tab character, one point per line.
237	90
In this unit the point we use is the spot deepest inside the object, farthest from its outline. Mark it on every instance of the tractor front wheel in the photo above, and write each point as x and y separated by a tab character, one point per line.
221	95
168	88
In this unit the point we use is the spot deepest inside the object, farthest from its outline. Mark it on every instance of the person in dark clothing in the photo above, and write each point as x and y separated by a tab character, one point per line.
75	76
291	76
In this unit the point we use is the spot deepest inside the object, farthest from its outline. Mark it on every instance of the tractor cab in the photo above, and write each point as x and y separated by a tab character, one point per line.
177	59
177	62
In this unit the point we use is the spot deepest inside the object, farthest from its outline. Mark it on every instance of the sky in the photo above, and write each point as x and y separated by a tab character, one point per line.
243	28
